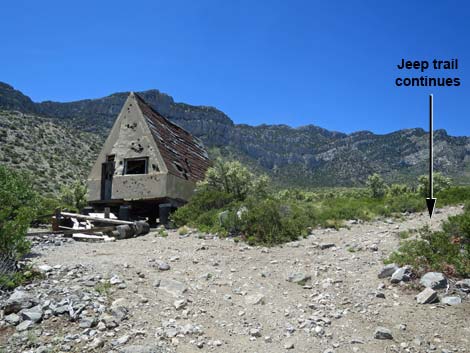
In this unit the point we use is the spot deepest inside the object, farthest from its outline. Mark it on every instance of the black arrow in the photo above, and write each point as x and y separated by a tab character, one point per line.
430	201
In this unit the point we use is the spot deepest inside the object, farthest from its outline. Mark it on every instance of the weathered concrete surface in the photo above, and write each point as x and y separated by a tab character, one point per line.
131	137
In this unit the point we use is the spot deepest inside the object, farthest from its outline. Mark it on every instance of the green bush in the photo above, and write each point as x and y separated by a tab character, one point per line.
377	186
234	179
447	250
398	189
454	195
204	200
74	196
284	215
18	208
268	222
440	183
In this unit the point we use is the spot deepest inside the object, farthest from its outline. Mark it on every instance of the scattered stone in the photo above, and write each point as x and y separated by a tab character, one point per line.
121	341
324	246
255	332
34	314
434	280
298	277
23	326
18	300
180	304
44	268
87	322
109	321
388	271
427	296
162	265
97	343
255	299
171	286
382	333
451	300
464	285
115	280
289	345
13	319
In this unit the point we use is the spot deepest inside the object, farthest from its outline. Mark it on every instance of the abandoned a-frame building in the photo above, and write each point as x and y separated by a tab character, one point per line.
146	161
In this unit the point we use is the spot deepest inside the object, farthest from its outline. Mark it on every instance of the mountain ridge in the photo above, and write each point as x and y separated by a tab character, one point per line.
302	156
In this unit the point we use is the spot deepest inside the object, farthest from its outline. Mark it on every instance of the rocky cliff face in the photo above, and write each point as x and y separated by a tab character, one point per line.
304	156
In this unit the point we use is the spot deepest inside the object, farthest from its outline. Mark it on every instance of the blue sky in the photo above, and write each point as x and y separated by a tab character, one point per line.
328	63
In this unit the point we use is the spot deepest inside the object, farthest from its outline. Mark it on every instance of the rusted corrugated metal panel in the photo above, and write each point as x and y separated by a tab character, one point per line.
184	154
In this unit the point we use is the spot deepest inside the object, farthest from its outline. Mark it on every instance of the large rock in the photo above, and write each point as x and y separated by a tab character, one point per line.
171	286
34	314
401	275
434	280
388	270
382	333
427	296
17	301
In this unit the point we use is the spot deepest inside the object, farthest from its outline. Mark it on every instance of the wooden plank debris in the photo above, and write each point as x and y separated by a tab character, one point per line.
95	219
92	238
69	231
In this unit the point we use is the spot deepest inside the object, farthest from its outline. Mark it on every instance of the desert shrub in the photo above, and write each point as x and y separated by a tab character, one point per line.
447	250
268	222
454	195
440	183
74	195
406	203
377	186
458	228
234	179
398	189
18	208
203	201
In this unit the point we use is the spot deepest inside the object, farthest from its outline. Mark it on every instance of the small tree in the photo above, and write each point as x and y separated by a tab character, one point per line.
398	189
235	179
17	210
440	182
74	195
377	186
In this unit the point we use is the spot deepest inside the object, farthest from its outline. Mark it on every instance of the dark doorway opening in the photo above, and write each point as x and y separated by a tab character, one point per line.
107	172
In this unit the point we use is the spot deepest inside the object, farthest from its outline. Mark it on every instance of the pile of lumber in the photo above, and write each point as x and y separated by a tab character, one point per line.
94	227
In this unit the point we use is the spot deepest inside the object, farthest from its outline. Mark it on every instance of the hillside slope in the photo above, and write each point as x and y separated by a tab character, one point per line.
54	155
305	156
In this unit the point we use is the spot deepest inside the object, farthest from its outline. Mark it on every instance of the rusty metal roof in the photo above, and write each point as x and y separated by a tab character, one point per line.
183	154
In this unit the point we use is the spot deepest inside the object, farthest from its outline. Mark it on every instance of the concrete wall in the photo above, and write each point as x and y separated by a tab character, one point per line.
130	137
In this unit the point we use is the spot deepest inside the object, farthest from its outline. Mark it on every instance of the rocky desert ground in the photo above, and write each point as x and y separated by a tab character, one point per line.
198	293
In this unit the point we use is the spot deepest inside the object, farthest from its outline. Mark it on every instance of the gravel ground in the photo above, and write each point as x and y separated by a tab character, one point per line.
219	295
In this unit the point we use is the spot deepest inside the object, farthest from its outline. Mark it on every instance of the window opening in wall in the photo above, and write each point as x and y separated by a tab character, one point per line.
136	166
